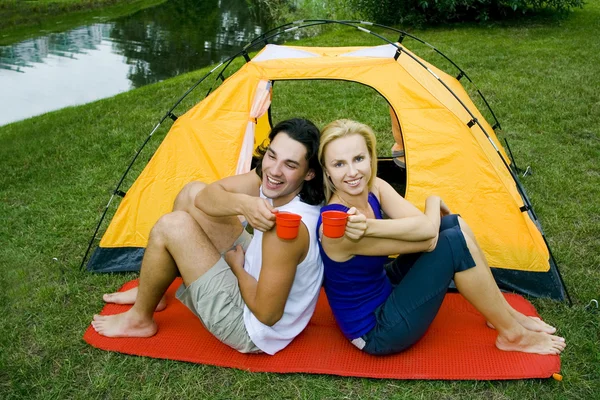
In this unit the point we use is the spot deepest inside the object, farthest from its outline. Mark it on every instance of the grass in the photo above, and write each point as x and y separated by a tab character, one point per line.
21	20
57	171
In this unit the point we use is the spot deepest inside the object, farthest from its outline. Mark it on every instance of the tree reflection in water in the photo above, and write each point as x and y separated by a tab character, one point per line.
158	43
103	59
180	36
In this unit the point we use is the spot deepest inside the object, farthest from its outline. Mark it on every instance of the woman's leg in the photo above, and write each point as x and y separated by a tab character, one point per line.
479	288
531	323
415	301
399	267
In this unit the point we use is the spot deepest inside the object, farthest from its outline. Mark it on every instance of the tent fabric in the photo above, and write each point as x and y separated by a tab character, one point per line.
273	52
445	153
384	51
260	106
457	346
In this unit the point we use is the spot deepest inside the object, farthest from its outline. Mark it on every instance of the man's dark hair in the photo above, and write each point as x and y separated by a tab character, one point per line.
305	132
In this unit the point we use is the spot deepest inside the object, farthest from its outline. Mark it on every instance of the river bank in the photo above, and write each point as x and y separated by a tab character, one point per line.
20	20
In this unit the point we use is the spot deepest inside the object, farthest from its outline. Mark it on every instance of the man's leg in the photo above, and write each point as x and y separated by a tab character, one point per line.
128	297
176	244
222	232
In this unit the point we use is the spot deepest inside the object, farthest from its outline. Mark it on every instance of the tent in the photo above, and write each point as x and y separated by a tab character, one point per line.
443	142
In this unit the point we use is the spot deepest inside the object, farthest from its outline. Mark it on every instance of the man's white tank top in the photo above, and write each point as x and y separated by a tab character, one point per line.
305	290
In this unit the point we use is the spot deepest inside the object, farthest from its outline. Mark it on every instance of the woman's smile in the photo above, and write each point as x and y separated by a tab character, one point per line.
348	164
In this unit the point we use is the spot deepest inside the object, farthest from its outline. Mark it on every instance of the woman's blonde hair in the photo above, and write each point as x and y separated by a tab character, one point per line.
342	128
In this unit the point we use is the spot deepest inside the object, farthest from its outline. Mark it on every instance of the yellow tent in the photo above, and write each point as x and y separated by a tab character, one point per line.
449	149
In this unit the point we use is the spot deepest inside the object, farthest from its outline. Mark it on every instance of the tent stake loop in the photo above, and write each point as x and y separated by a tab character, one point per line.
592	305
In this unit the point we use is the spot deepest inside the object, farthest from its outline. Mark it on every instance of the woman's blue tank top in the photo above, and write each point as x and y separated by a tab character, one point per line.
356	287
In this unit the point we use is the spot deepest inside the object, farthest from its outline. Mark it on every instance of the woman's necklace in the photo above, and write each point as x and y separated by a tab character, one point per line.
366	209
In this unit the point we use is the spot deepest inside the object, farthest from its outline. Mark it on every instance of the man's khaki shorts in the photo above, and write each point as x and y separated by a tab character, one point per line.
216	299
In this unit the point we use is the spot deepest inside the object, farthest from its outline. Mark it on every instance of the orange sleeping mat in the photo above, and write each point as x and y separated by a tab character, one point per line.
457	346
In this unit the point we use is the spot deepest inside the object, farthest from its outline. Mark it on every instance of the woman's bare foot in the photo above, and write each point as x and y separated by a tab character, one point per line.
532	342
128	297
534	324
126	324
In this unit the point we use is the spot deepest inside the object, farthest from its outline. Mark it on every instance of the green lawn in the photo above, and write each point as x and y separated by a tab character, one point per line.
57	172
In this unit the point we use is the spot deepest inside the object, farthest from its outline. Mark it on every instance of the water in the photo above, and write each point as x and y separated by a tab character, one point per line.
103	59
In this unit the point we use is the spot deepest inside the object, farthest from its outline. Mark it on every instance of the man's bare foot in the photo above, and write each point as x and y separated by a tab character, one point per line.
532	342
126	324
534	324
128	297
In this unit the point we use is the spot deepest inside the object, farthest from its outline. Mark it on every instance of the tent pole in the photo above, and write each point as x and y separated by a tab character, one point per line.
264	37
118	187
558	271
168	114
95	232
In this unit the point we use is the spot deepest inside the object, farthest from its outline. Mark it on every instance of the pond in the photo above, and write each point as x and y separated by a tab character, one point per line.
102	59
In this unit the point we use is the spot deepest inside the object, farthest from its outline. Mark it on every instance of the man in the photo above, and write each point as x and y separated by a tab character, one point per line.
255	294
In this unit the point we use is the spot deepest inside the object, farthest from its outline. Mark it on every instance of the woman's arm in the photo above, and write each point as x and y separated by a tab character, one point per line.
356	242
406	222
266	297
410	231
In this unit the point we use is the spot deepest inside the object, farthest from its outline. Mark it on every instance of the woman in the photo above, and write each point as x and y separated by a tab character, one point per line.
385	309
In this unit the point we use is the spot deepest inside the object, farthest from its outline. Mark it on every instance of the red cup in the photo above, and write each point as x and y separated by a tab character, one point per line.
334	223
287	224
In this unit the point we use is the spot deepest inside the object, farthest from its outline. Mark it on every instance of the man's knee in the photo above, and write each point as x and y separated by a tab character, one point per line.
173	224
186	197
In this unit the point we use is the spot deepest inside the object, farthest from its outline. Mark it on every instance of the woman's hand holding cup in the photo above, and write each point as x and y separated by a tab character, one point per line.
356	227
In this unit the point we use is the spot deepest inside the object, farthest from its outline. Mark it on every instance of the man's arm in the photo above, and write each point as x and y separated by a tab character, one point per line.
237	195
266	297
